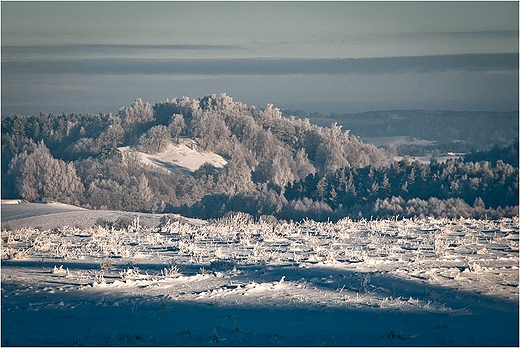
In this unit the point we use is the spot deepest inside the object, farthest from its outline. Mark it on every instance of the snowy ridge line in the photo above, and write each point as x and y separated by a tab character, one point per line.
18	214
13	201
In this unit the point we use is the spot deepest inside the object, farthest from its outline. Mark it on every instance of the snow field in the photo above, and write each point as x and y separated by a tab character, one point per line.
461	274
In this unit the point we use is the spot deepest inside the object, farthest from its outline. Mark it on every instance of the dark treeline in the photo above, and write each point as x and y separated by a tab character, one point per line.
508	154
474	184
284	167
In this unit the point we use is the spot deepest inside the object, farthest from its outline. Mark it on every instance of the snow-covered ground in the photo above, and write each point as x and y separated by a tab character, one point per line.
184	155
233	282
398	140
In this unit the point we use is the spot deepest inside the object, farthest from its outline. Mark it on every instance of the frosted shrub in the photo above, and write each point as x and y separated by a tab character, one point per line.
153	239
245	239
98	231
22	235
440	247
110	245
171	271
331	257
61	251
237	219
355	255
483	251
135	226
60	272
173	227
13	254
319	250
475	267
67	231
42	243
285	229
188	248
130	273
99	278
256	255
8	237
223	265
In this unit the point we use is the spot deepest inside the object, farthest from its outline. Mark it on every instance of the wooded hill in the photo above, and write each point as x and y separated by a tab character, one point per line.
276	166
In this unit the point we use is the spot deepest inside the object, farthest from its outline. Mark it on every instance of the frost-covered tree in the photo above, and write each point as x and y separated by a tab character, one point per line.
282	169
105	194
177	126
40	177
236	176
155	140
145	193
303	166
211	131
136	119
331	150
112	137
138	112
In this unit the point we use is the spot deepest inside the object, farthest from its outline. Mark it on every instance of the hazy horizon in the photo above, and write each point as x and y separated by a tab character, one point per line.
329	57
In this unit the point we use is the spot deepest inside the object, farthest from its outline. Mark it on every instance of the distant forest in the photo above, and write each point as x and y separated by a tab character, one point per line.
456	131
278	167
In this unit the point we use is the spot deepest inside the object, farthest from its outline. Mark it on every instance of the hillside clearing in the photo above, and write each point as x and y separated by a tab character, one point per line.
184	156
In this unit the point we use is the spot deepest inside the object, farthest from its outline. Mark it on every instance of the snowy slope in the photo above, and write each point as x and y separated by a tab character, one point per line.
411	282
18	214
181	156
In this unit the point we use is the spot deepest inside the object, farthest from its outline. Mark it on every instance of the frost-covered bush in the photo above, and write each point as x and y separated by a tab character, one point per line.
130	273
236	219
220	265
60	272
13	254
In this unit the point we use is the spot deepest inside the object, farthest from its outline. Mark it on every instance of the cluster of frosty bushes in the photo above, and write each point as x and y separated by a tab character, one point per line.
239	240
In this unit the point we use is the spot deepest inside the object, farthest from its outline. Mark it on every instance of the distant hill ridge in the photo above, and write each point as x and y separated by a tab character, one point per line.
221	155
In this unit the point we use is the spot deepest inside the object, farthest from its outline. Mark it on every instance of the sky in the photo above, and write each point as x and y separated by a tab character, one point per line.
340	57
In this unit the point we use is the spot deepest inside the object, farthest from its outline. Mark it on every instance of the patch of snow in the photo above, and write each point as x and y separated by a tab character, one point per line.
184	155
398	140
12	201
427	159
